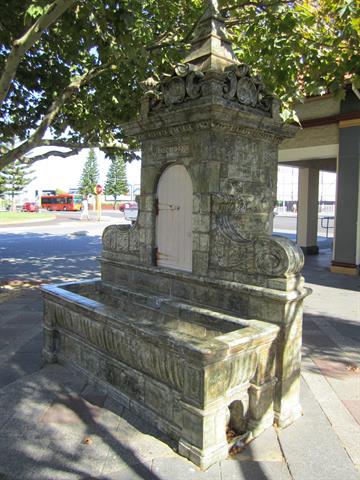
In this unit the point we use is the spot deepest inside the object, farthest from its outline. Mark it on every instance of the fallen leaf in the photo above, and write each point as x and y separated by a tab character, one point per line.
230	434
352	368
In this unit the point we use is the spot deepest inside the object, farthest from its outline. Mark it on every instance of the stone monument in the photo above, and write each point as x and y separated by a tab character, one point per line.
196	322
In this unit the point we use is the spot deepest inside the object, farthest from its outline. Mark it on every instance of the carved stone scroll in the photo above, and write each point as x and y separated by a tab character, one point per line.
187	83
121	238
174	91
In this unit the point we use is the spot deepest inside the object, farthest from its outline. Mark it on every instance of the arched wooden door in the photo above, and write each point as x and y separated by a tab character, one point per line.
174	220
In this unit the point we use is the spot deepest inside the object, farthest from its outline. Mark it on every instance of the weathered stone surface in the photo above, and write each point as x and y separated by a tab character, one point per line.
193	350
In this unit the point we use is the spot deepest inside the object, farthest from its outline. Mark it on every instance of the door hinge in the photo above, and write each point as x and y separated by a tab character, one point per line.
156	255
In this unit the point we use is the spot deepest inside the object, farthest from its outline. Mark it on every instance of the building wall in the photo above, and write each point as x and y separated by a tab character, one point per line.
318	107
313	136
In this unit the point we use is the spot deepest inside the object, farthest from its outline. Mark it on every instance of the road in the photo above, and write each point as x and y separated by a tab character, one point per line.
63	249
68	248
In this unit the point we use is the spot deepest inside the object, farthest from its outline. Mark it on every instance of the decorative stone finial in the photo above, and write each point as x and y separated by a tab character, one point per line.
210	69
212	7
211	49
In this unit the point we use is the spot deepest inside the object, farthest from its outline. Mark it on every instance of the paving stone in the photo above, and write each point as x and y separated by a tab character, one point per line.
19	365
51	470
347	387
354	408
342	422
94	395
350	439
331	368
142	445
179	468
3	476
245	470
15	430
108	420
16	342
264	448
8	376
58	378
311	410
25	319
67	456
322	471
137	424
4	344
34	345
4	418
9	333
114	407
18	458
121	456
72	409
307	440
137	471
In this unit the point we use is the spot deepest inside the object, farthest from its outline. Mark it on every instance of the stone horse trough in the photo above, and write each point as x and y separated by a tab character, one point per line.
196	322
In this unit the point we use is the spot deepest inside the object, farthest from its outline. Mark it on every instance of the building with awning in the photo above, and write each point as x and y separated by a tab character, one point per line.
328	140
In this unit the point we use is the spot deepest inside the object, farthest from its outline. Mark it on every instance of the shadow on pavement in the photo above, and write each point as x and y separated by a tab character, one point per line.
44	257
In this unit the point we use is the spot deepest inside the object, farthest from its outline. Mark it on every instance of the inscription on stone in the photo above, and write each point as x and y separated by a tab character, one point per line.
171	150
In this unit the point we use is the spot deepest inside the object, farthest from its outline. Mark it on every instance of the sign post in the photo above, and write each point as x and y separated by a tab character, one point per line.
98	191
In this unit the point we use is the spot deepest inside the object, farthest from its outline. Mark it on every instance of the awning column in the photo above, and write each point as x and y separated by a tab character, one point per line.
307	220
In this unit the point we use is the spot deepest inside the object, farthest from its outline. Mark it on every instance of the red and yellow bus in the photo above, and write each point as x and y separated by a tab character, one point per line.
65	201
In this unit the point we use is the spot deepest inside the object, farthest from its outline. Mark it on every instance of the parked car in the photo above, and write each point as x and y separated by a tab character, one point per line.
30	207
131	212
124	205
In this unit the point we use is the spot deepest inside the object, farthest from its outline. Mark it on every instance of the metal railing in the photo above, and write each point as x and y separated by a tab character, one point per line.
326	224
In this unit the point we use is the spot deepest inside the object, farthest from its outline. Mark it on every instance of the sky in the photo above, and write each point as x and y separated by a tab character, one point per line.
65	173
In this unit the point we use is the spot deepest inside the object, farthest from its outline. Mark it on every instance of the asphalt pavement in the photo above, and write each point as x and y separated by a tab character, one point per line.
57	250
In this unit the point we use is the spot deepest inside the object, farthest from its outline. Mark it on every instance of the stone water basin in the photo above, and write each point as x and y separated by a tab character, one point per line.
170	361
121	321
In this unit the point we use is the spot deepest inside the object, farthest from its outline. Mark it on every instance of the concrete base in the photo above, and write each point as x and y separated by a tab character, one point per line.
285	419
346	269
203	458
310	250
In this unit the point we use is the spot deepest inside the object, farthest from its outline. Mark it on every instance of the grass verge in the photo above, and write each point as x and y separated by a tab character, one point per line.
24	217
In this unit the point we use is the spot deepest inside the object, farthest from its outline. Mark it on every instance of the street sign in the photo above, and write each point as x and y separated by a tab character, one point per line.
98	189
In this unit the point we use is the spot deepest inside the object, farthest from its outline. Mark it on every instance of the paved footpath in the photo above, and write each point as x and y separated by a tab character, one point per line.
55	425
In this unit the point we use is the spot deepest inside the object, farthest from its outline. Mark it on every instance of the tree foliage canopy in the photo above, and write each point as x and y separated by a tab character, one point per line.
75	83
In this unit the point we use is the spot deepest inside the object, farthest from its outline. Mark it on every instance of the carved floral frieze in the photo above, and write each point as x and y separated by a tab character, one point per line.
185	83
225	126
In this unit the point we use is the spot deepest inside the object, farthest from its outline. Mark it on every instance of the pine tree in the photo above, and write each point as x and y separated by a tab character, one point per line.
116	182
2	184
14	178
90	174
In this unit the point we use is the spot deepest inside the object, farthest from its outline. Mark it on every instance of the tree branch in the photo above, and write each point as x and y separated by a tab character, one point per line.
74	147
21	45
162	44
36	138
79	145
254	3
53	153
